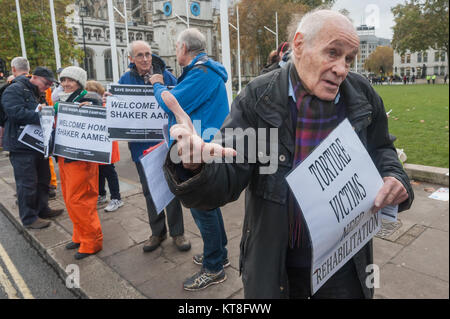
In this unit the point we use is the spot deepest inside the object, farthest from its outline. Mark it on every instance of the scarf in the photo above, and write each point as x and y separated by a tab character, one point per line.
315	121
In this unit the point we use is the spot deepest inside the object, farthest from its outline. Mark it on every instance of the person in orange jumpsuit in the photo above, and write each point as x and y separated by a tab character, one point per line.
79	179
53	178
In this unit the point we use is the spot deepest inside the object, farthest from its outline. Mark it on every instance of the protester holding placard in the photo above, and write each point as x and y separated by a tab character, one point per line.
143	64
79	179
304	101
107	171
31	169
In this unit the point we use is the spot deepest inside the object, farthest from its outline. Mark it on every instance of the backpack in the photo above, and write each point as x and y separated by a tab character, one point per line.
3	116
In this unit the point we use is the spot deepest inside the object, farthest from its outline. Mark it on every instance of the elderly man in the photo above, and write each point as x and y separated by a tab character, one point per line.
143	64
306	99
19	66
31	169
202	95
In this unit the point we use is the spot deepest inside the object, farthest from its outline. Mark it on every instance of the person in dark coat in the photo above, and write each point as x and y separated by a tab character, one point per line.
278	59
31	169
315	87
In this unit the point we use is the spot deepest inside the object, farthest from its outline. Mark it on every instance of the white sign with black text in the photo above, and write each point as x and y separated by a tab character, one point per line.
152	164
82	134
133	114
335	187
47	119
32	137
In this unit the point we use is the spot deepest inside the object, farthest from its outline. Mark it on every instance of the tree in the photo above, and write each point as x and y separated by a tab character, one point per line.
380	61
37	29
420	25
256	41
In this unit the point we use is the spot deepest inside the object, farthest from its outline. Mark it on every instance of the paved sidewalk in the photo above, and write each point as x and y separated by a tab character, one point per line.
413	254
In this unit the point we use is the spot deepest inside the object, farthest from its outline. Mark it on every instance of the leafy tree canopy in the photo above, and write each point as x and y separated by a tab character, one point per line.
37	29
420	25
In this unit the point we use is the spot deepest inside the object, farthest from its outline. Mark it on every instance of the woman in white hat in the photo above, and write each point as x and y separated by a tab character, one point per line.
79	180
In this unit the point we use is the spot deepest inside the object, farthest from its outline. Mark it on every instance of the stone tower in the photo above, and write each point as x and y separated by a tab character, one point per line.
167	25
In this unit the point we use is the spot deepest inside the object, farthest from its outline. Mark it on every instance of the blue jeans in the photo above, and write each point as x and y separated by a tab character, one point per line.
210	224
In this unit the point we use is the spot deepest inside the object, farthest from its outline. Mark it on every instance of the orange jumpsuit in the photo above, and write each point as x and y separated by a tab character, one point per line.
79	185
53	180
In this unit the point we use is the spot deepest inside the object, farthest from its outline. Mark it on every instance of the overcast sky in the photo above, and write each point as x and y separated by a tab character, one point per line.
368	11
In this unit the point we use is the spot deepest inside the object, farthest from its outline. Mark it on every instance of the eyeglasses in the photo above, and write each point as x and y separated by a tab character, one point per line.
45	81
140	56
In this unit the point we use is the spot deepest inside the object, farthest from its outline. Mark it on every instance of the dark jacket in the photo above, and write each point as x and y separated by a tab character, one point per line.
132	77
19	102
264	243
270	67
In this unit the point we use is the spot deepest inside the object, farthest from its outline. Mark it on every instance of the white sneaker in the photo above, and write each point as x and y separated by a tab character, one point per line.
101	200
113	205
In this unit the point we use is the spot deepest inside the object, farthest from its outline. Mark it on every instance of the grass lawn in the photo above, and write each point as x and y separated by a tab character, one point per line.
419	120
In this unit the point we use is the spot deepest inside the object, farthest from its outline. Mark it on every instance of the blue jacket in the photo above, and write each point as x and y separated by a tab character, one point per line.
19	102
133	77
201	93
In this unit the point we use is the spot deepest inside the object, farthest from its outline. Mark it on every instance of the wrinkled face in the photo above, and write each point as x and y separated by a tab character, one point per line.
142	57
69	85
42	83
324	62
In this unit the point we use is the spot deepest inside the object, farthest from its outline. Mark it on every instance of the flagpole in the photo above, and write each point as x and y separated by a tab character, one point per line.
226	59
55	36
112	36
19	20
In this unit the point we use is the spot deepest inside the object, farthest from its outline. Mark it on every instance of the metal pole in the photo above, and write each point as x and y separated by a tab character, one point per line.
126	20
19	21
86	67
112	34
239	49
226	59
187	13
276	26
55	36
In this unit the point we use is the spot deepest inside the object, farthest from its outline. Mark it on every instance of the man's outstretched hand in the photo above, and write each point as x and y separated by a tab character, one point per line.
192	150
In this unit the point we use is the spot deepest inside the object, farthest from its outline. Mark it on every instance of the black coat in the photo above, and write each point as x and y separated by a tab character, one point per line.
19	102
264	244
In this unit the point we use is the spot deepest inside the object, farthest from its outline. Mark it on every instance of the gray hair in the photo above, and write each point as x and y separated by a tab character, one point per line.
131	46
194	41
312	22
21	64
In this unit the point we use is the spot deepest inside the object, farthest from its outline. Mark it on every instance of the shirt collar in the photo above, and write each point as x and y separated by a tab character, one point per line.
292	93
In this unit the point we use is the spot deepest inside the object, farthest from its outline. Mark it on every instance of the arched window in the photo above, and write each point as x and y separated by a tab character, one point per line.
139	36
108	65
97	34
90	68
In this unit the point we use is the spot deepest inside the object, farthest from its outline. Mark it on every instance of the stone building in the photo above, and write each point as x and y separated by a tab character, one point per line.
421	64
368	42
156	21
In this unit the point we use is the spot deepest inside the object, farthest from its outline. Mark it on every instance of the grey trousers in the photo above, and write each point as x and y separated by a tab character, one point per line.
158	222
